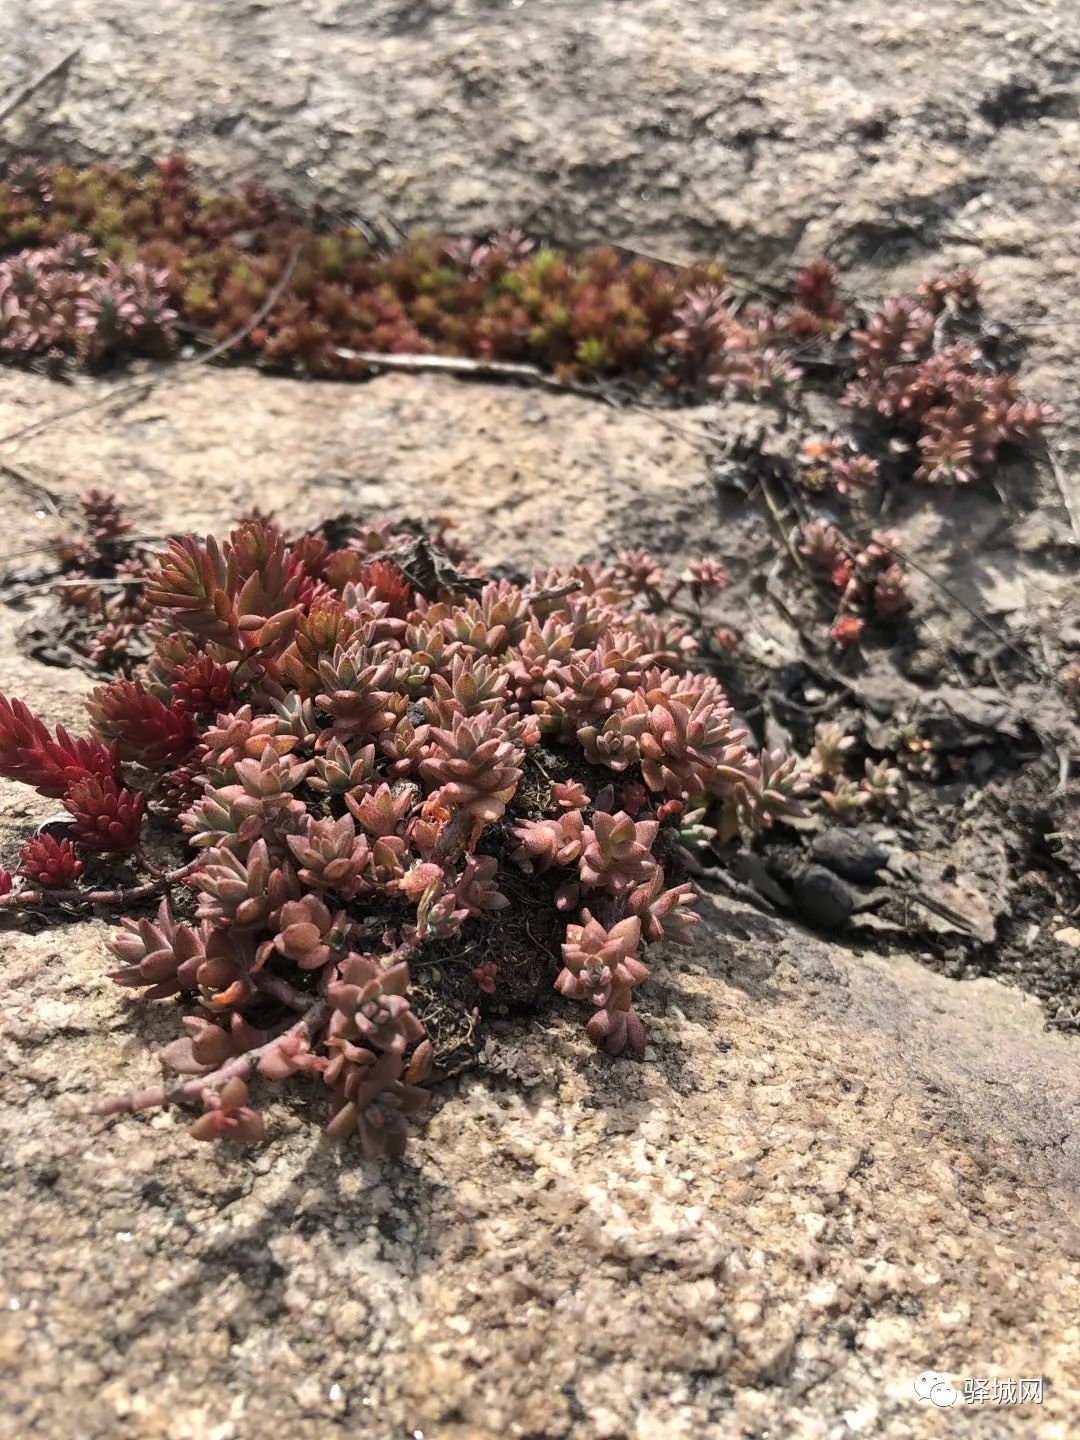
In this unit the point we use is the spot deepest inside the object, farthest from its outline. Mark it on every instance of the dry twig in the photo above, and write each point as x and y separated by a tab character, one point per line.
1063	490
17	899
473	370
51	498
975	614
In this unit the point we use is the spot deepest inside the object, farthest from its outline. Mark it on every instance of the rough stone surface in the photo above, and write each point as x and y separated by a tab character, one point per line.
512	465
830	1174
885	137
833	1172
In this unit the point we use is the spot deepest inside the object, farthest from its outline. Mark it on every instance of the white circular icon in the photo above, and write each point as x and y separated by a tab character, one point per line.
936	1388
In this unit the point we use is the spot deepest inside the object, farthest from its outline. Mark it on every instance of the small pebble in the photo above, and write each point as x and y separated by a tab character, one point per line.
850	853
823	899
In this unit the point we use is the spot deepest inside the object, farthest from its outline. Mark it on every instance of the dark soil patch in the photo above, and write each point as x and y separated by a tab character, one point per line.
974	868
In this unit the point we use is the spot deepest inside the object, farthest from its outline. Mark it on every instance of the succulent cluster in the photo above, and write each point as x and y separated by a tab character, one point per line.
922	371
100	586
744	350
57	305
103	260
877	788
869	580
355	740
826	463
221	256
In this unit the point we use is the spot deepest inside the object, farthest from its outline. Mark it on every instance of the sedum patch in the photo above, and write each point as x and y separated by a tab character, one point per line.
104	263
358	752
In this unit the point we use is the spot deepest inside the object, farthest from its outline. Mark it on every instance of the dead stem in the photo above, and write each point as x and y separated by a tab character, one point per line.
131	896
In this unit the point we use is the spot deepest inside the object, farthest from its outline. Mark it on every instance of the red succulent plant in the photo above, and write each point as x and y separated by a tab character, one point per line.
50	862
